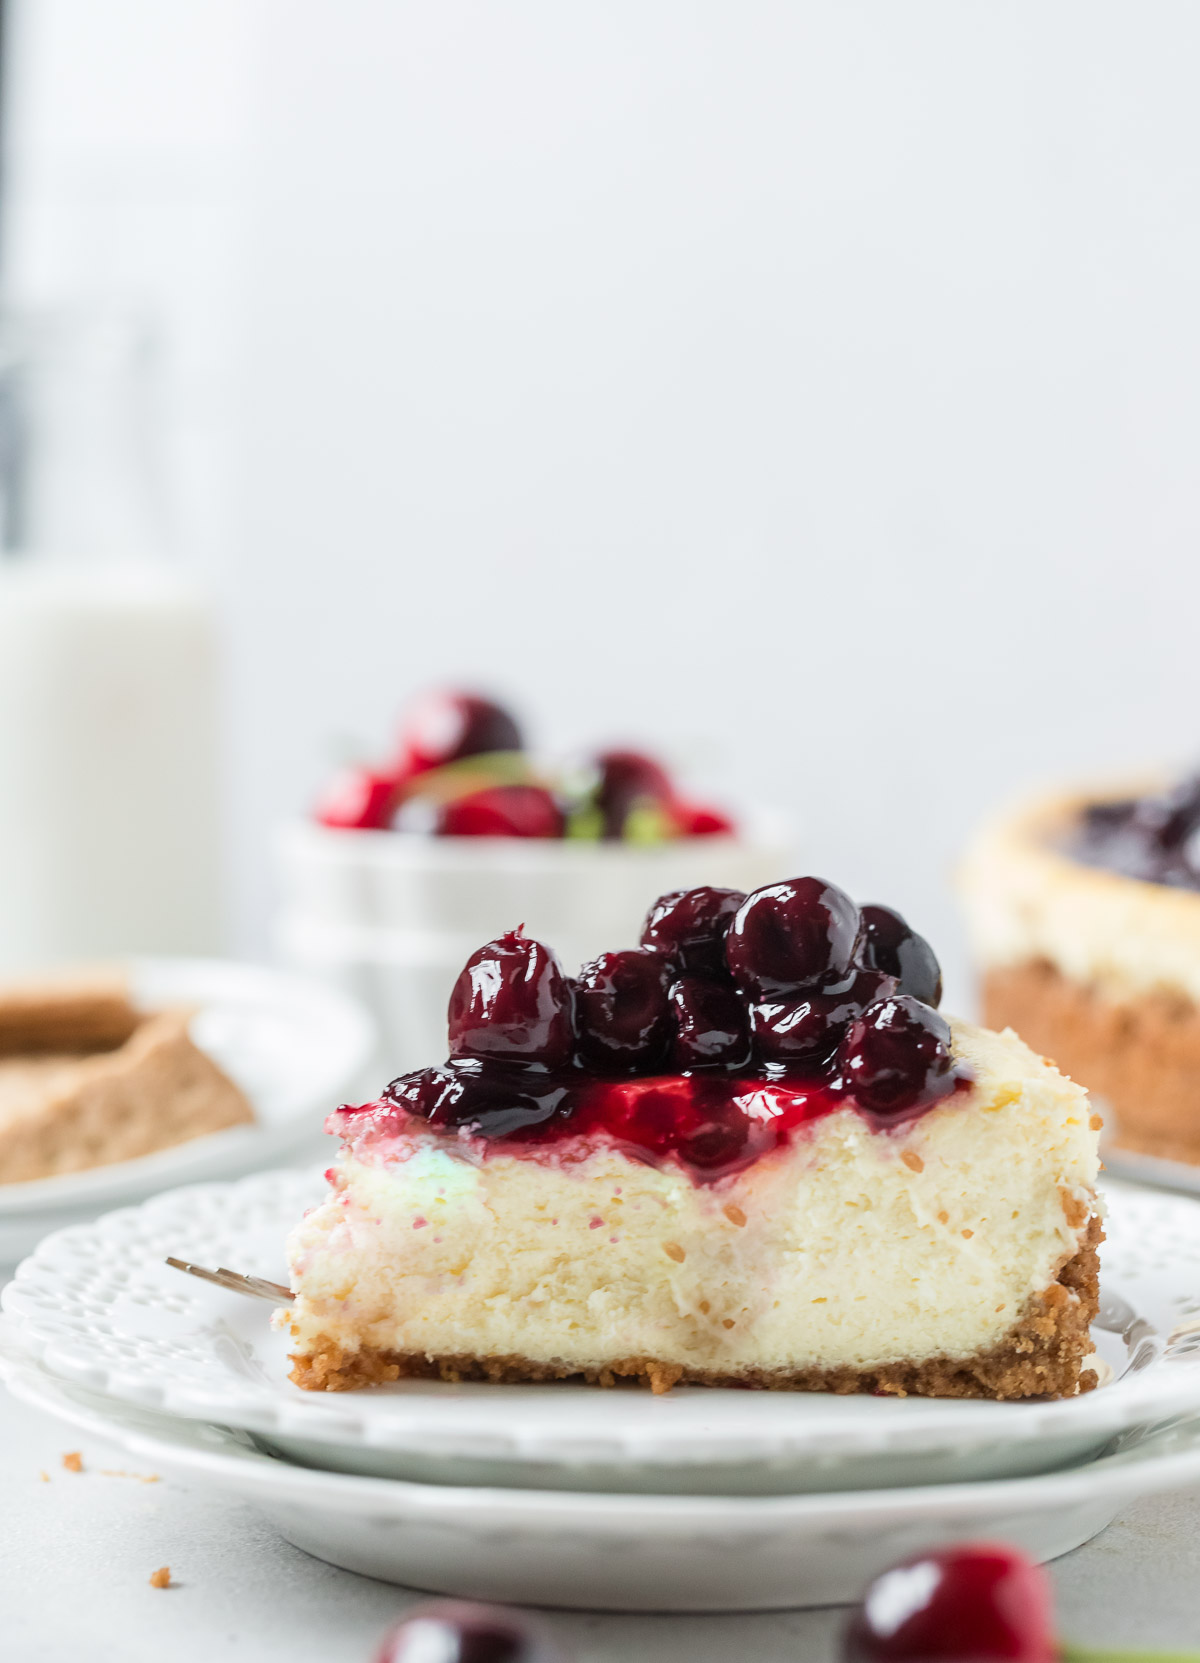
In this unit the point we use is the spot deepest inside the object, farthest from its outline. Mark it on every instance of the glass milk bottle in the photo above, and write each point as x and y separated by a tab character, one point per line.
109	799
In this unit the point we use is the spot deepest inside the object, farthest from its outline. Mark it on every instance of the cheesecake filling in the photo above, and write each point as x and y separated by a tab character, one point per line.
843	1247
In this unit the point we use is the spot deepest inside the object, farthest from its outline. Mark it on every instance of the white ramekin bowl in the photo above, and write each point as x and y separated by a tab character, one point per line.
393	916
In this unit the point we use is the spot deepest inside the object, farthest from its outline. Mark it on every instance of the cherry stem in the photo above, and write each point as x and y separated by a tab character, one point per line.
1090	1654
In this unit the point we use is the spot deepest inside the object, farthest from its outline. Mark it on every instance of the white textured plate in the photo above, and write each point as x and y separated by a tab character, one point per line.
98	1307
291	1044
625	1553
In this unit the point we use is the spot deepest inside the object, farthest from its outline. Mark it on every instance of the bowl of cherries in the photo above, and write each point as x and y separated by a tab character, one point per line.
969	1602
403	866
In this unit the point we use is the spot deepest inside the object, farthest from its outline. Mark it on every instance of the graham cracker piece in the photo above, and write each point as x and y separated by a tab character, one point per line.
67	1114
75	1014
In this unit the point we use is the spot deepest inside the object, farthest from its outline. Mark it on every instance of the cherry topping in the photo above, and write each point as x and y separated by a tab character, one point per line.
711	1025
622	1014
492	1099
689	926
891	945
790	935
894	1053
978	1602
453	1631
536	1058
512	1001
502	811
629	781
808	1029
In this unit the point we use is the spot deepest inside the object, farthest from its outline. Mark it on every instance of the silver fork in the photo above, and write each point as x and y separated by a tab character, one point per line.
254	1287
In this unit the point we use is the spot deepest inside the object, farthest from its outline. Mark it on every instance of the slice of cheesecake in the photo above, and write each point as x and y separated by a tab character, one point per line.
87	1079
743	1154
1084	917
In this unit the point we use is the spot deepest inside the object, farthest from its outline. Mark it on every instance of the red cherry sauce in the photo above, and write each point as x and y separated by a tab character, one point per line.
711	1123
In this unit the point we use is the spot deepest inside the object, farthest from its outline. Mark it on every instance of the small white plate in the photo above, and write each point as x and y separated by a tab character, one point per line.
290	1043
624	1553
1152	1169
97	1305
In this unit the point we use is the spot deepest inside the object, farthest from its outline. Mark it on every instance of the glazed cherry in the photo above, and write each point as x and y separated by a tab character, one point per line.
445	727
622	1014
689	926
791	935
628	781
978	1602
890	944
512	1002
711	1025
453	1631
807	1030
489	1099
895	1053
502	811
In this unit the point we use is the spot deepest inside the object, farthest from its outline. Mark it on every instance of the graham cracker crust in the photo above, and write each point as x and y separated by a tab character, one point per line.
1041	1355
1142	1054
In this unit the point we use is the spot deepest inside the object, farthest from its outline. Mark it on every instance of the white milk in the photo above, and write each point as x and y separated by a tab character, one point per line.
109	816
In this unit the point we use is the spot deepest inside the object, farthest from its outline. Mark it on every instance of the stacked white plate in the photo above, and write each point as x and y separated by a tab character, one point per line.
572	1496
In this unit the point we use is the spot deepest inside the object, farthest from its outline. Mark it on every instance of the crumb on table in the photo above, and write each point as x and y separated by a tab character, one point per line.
161	1577
44	1476
73	1461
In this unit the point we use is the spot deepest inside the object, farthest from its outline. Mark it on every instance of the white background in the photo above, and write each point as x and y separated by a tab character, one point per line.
810	390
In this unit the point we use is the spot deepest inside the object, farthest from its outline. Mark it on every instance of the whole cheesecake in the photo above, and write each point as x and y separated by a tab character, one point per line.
749	1152
1084	917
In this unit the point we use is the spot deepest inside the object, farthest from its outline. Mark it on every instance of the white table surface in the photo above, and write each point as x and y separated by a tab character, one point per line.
76	1554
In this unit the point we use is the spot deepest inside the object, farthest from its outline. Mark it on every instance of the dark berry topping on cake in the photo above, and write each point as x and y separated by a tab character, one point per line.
695	1067
453	1631
895	1053
890	944
502	811
445	727
622	1014
711	1024
977	1602
491	1100
689	927
1154	838
792	935
513	1003
810	1027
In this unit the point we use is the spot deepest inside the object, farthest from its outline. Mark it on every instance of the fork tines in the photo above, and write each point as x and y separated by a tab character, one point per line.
255	1287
